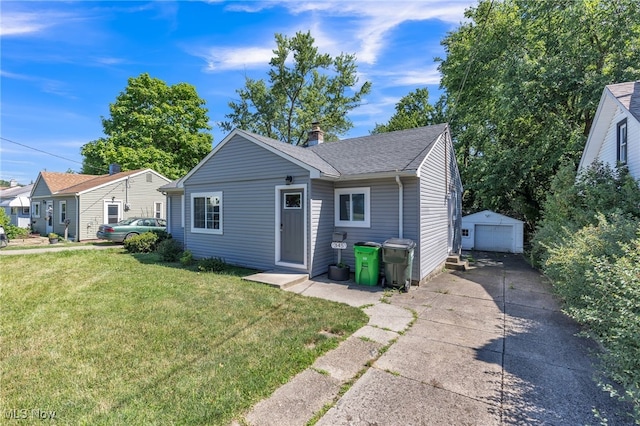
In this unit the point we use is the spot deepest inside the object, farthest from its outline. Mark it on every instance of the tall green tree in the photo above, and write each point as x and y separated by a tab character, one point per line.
152	125
413	110
523	79
304	86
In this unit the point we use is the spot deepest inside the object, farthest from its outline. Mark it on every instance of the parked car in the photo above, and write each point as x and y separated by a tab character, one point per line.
127	228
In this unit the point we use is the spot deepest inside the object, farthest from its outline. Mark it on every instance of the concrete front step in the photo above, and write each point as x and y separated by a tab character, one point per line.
278	279
454	263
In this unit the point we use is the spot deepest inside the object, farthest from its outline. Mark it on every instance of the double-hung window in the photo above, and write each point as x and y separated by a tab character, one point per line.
206	212
352	207
63	211
622	142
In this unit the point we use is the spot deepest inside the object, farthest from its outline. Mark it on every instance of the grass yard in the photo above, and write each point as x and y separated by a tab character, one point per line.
105	337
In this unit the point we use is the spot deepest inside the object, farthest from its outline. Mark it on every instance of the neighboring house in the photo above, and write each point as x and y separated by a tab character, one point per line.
491	231
81	203
614	137
265	204
15	201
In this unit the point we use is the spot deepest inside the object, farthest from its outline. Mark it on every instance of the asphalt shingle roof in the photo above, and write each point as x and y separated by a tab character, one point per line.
628	94
385	152
71	183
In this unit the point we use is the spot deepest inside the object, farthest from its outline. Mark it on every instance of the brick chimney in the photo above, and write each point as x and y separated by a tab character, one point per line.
316	135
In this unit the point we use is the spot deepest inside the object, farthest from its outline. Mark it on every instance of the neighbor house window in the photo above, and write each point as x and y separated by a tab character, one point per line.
36	209
63	211
14	210
25	210
465	232
622	142
352	207
158	210
206	212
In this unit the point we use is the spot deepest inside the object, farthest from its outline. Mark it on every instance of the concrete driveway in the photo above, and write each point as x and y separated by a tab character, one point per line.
482	347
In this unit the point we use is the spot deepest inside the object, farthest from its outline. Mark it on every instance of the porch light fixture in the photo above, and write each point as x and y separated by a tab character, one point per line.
288	180
113	199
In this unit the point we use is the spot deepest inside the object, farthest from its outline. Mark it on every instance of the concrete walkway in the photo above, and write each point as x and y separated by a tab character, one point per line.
482	347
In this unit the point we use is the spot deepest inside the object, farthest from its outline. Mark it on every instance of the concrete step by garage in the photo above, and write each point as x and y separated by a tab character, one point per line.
456	263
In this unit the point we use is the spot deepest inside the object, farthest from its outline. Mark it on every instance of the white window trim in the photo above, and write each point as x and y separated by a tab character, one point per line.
157	207
61	210
182	211
205	230
35	208
105	211
366	223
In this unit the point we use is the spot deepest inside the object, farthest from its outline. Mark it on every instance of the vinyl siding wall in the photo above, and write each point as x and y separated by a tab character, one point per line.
174	217
247	175
322	225
384	216
608	151
141	197
435	177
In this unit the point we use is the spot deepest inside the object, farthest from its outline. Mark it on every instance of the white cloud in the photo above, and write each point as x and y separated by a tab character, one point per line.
229	58
18	23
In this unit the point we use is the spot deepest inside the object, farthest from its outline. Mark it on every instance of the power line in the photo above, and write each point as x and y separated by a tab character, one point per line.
47	153
472	57
40	150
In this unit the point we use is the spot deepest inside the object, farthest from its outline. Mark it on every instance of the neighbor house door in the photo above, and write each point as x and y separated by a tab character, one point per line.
49	217
291	226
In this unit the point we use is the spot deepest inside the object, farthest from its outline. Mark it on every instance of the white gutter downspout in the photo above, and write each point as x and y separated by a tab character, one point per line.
400	207
77	218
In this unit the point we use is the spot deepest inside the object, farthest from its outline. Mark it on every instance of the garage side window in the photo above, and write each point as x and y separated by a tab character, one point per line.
35	207
352	207
206	213
465	232
62	210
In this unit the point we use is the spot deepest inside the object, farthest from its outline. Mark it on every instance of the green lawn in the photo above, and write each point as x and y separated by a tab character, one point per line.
104	337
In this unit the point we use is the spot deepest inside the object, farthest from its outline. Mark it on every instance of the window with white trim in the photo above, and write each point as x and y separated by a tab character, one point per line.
36	209
158	210
352	207
206	212
622	142
63	211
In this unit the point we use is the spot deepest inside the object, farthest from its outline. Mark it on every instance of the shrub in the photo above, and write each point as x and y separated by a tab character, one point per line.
575	201
187	258
212	264
597	272
143	243
162	235
169	250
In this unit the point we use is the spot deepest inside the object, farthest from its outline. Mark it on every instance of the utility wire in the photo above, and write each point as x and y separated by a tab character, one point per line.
471	58
42	151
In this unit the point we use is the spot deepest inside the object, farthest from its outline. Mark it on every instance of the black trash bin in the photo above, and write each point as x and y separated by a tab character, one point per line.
397	255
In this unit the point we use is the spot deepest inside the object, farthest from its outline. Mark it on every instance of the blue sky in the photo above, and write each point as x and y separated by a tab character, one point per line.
63	63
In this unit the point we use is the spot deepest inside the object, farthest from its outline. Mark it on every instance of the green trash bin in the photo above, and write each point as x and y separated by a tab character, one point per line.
367	262
397	255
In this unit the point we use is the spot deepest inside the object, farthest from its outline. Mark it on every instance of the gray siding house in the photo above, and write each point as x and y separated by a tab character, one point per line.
264	204
80	203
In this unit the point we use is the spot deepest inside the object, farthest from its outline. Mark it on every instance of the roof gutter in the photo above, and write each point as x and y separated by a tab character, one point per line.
400	207
365	176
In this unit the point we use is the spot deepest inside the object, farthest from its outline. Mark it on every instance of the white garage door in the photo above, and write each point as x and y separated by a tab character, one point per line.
494	237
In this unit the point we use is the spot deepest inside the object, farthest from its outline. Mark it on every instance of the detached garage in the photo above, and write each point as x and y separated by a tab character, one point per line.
491	231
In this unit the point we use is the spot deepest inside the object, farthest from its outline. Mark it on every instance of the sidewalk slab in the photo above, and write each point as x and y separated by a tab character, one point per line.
296	402
344	292
389	317
381	398
457	335
464	371
344	362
